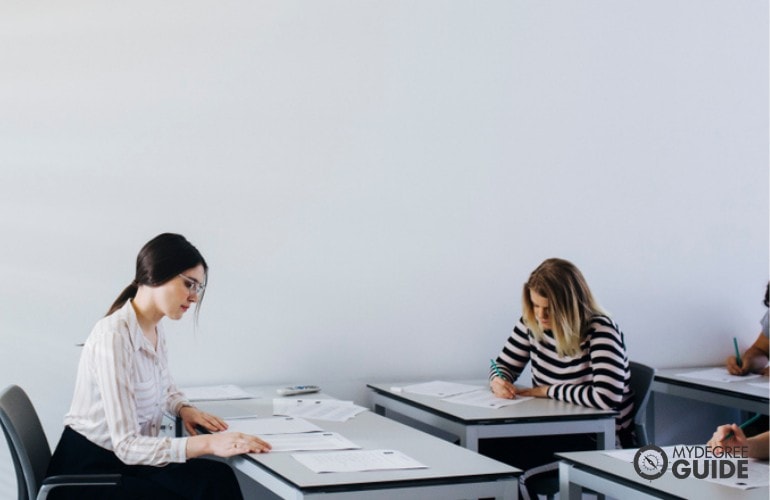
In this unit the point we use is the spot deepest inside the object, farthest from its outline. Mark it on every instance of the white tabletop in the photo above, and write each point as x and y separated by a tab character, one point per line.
446	462
604	465
533	409
744	388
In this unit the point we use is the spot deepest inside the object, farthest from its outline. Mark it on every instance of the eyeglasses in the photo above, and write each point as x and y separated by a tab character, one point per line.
193	286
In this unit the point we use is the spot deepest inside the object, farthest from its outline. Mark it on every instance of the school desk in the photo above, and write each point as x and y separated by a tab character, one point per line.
536	417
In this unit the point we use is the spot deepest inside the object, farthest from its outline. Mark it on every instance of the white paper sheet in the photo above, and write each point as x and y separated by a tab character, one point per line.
759	475
357	461
309	441
321	409
717	375
484	398
271	425
758	471
215	393
440	388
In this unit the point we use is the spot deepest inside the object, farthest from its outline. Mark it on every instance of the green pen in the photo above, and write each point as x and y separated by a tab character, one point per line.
497	370
743	425
737	352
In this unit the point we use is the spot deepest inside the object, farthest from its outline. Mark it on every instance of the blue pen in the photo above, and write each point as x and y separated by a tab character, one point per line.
497	370
737	352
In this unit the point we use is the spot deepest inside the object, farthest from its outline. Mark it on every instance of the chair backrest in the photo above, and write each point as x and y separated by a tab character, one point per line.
26	440
641	383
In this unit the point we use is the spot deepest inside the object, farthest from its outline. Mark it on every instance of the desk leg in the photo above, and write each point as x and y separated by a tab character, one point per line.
605	440
470	439
567	490
650	418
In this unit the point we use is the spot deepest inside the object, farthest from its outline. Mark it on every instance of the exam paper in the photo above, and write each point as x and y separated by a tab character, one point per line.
271	425
758	470
215	393
309	441
322	409
484	398
440	389
357	461
717	375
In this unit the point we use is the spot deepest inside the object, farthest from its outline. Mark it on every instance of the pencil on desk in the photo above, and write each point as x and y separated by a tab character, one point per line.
737	352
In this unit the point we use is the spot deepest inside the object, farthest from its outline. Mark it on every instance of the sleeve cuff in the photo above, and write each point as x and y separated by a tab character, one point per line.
178	450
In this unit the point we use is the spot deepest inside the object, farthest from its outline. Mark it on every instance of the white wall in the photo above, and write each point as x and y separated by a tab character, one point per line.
371	182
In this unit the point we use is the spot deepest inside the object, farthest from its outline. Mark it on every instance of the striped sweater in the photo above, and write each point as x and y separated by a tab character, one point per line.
598	377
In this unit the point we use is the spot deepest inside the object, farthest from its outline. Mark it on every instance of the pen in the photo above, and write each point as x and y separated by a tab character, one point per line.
737	352
497	370
743	425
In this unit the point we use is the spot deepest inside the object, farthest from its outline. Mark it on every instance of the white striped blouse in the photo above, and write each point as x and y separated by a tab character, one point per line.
598	377
123	387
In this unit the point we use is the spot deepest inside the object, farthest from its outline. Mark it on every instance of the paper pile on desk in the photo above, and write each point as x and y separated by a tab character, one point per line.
357	461
322	409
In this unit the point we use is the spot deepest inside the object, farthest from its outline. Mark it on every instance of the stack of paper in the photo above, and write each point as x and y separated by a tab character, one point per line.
215	393
357	461
291	434
717	375
271	425
440	389
484	398
321	409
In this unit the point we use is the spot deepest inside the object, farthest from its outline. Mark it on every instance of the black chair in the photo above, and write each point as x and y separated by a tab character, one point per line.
30	451
641	383
544	480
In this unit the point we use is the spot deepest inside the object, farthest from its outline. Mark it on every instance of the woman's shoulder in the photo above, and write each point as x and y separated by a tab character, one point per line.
112	329
602	323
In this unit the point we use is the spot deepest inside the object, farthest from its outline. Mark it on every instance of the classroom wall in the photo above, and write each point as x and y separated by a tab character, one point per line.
372	182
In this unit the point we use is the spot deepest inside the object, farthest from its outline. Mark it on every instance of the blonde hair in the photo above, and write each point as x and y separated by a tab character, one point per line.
570	303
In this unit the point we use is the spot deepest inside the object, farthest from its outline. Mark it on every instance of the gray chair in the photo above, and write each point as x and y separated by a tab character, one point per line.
641	383
544	480
30	451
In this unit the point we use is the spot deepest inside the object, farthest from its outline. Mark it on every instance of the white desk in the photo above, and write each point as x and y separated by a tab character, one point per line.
739	395
452	472
613	477
536	417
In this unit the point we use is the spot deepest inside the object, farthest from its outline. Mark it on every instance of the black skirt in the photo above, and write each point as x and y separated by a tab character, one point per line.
196	479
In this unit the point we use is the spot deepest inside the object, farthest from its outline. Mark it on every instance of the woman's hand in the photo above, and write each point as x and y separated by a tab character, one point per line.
734	369
192	417
720	438
502	388
540	391
225	444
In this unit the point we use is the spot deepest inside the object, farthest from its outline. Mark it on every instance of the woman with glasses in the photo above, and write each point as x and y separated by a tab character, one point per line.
123	388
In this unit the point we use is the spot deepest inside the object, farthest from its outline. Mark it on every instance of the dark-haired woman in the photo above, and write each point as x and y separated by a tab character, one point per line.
123	387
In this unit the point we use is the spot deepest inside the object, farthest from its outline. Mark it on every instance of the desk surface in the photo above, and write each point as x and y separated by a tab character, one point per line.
673	376
618	471
537	409
447	463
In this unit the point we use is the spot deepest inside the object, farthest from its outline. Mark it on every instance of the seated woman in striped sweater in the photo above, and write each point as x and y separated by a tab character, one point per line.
577	354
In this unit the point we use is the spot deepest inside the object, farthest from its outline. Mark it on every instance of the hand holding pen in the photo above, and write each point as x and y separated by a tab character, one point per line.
500	385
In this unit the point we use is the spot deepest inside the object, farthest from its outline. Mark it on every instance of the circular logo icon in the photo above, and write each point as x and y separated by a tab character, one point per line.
650	462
